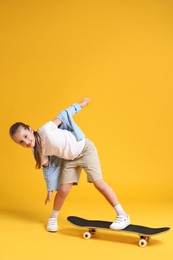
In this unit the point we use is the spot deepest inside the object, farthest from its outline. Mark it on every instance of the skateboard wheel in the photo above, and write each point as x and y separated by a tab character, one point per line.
142	243
86	235
147	238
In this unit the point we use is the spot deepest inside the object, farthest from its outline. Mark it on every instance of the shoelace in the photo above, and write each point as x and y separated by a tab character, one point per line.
119	219
52	221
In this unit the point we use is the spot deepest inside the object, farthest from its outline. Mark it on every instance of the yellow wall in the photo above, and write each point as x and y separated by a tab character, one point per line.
54	53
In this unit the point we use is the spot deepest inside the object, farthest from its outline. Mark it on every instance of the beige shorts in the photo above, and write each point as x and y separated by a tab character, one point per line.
87	160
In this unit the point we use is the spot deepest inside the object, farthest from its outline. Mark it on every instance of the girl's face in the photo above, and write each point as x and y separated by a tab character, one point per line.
24	137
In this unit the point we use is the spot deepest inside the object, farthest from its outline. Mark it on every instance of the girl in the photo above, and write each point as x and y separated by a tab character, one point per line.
60	145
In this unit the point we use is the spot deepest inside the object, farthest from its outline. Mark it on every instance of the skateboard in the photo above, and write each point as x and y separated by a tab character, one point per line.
144	232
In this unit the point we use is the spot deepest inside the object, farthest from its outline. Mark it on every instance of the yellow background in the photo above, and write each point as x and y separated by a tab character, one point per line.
54	53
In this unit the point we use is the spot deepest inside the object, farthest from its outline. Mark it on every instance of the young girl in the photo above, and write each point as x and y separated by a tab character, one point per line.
63	141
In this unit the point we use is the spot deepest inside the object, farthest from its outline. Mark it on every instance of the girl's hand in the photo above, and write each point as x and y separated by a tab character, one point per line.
84	102
48	198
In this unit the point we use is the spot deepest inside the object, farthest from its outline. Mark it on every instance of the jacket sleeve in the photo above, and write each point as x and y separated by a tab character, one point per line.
52	173
66	116
71	111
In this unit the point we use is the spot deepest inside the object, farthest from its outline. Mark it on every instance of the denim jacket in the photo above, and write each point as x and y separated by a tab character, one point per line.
52	172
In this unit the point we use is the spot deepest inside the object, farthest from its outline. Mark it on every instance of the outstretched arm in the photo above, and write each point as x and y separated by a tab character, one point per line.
82	104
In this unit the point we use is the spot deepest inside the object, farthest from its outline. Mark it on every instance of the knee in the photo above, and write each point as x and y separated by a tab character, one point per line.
100	185
64	190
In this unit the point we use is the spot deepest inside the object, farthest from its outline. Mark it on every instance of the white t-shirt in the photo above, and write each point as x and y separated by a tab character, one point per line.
58	142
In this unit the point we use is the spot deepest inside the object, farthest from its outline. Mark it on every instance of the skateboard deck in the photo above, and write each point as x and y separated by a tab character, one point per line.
144	232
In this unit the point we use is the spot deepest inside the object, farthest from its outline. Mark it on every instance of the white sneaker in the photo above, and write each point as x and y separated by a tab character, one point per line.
52	225
120	222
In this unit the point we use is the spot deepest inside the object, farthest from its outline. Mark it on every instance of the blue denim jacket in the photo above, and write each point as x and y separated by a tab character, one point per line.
52	172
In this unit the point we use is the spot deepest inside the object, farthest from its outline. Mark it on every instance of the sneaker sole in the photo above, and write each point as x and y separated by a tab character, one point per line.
51	230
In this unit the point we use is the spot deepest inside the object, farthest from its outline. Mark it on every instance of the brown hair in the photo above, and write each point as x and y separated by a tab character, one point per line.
38	145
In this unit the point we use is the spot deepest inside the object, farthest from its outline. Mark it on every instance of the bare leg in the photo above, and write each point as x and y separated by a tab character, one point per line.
107	192
61	196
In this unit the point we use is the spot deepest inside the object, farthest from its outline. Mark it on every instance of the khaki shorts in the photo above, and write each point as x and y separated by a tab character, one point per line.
87	160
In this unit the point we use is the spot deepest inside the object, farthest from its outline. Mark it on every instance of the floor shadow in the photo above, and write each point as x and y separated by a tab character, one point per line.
110	236
22	214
